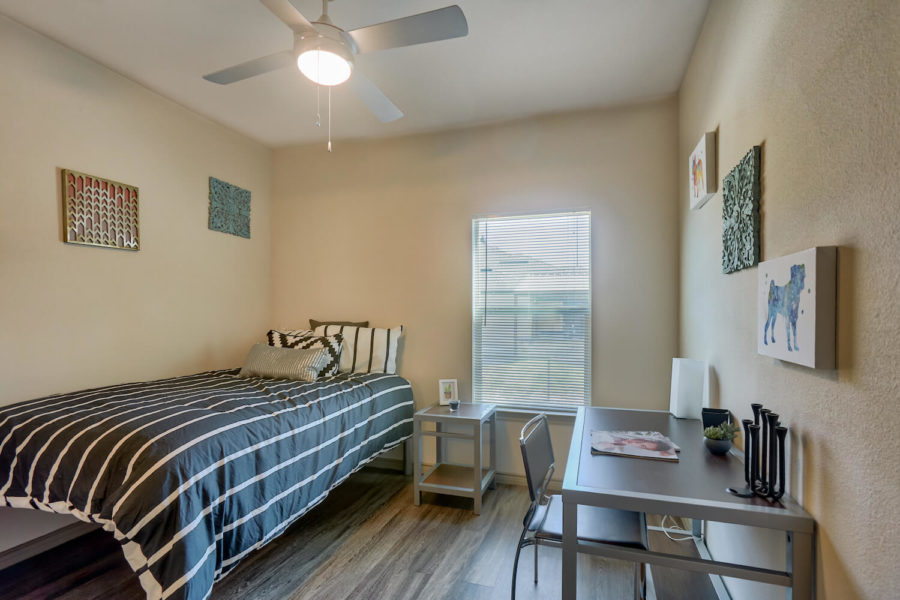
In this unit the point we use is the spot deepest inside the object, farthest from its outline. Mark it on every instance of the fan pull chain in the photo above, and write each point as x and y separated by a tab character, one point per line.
329	119
318	87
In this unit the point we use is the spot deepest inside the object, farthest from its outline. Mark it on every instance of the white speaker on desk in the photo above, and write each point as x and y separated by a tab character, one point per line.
688	381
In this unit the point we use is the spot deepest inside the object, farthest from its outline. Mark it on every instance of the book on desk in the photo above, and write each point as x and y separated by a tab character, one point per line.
634	444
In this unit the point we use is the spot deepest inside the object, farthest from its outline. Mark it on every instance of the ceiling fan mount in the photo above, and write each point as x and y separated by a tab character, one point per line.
325	53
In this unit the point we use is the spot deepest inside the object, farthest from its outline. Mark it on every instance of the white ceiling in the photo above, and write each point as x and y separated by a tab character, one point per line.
521	57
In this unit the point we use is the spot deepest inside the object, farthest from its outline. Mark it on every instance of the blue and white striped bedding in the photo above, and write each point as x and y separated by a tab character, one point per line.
191	474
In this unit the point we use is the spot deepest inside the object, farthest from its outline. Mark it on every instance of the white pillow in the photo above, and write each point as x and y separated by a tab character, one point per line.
366	349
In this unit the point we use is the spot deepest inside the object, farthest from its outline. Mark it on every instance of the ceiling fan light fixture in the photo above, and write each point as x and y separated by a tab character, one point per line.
324	60
324	67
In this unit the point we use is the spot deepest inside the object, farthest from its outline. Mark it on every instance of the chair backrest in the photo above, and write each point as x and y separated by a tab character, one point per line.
537	454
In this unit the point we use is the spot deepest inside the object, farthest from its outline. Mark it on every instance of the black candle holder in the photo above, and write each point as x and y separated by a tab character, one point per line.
764	455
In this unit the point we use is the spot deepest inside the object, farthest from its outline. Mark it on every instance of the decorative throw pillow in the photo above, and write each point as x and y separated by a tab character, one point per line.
366	349
292	332
284	363
313	323
307	340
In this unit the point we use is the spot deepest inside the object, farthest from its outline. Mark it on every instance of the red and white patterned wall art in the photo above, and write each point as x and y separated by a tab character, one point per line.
100	212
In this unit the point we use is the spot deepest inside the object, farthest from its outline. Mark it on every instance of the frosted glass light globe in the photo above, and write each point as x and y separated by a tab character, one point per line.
323	67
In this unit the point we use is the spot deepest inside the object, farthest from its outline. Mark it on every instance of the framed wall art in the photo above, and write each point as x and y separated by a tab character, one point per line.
796	307
229	208
702	174
100	212
740	214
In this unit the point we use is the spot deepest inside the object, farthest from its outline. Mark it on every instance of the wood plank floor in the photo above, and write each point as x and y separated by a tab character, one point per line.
366	541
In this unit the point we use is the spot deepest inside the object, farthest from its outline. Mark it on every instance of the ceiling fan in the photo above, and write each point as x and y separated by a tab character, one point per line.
324	52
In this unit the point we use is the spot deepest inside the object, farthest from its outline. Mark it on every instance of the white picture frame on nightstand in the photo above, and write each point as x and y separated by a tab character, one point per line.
448	391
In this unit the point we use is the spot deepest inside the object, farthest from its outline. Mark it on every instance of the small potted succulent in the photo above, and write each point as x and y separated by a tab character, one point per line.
718	439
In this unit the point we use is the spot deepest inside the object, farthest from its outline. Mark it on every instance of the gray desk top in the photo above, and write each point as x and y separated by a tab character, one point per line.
695	485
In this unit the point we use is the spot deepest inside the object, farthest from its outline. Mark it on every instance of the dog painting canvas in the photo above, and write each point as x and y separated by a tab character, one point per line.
796	307
784	301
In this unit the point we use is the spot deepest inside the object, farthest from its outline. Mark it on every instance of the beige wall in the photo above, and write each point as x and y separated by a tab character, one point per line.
75	316
816	84
381	230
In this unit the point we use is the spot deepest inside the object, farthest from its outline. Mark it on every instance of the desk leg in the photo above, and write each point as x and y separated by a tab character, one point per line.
438	444
800	566
569	551
477	432
417	461
493	448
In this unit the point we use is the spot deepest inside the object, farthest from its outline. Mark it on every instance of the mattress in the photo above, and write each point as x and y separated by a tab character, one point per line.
191	474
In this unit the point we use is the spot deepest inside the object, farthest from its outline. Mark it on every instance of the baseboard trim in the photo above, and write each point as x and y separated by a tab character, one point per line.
519	480
43	543
393	464
510	479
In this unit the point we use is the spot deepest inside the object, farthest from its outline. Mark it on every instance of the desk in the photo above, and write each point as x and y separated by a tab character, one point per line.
693	487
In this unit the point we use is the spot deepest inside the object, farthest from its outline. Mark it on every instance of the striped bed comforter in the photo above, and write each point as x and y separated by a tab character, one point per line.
193	473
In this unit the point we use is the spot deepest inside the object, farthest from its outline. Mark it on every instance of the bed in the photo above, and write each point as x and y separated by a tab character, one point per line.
191	474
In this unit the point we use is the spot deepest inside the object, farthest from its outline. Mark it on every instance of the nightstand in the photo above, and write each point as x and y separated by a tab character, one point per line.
468	481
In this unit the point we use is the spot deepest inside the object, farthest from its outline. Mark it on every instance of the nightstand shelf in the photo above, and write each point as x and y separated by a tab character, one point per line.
450	478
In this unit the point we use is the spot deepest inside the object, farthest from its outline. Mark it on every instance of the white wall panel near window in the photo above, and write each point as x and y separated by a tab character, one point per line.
531	310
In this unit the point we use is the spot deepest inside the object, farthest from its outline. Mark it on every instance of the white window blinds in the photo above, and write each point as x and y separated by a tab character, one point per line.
531	310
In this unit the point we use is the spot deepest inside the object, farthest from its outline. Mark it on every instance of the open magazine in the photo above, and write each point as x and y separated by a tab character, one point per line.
640	444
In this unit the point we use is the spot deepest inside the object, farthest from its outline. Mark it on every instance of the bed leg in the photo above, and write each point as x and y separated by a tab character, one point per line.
407	457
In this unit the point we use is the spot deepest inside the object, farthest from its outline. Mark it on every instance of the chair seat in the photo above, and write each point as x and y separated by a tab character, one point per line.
595	524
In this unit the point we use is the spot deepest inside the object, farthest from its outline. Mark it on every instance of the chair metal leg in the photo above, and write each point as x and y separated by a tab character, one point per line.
516	564
643	580
640	581
535	563
637	581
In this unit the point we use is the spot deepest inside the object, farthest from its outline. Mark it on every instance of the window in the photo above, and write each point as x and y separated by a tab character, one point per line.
531	310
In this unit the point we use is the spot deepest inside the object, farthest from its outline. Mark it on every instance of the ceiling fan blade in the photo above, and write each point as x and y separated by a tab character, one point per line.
440	24
257	66
289	15
373	98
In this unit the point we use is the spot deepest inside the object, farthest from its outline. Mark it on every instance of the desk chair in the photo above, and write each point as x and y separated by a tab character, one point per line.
543	521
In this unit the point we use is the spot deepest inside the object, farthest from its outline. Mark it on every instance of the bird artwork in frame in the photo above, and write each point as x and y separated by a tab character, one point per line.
702	174
796	307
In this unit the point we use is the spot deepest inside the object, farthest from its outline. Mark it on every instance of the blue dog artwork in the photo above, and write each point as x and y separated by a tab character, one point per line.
784	300
798	292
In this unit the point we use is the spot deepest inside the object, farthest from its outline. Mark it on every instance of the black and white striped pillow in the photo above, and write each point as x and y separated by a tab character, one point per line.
305	340
366	349
284	363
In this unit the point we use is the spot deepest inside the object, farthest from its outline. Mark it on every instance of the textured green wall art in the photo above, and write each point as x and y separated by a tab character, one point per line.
740	214
229	208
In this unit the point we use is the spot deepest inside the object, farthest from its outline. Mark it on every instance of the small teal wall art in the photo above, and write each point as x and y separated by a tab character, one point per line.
796	299
740	214
229	208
